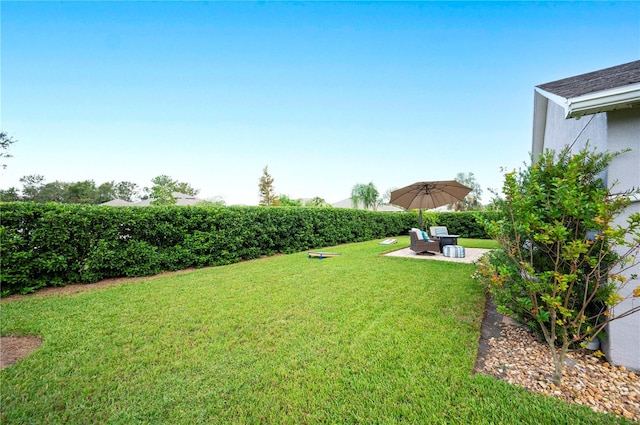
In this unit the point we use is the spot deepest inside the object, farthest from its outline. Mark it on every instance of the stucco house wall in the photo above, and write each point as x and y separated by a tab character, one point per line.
607	126
624	133
623	343
560	132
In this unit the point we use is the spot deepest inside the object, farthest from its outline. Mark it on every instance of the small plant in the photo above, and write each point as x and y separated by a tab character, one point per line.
565	258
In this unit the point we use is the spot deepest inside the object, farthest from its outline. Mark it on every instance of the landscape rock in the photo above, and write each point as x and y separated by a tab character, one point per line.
518	357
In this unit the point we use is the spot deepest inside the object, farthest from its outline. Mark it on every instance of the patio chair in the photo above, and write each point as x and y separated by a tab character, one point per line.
441	235
437	231
420	246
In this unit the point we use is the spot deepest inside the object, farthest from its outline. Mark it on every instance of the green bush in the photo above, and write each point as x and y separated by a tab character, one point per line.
56	244
567	253
467	224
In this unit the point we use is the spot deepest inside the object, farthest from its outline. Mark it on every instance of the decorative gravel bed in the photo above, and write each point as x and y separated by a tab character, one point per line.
517	357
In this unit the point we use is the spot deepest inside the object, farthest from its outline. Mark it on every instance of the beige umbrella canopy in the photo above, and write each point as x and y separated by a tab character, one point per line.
428	195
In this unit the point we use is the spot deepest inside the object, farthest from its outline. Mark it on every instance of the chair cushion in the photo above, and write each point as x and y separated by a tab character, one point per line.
453	251
438	230
418	233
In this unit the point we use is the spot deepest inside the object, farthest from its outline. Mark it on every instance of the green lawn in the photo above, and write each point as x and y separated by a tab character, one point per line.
359	338
478	243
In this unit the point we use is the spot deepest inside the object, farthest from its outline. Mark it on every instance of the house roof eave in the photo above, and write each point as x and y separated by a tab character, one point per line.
592	103
606	100
540	106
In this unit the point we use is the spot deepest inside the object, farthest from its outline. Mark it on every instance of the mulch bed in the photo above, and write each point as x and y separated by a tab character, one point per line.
511	352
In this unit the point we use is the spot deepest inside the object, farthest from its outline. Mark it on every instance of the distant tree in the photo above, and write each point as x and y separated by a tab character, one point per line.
215	201
186	188
53	192
316	202
35	189
162	195
365	195
494	203
286	201
5	142
84	192
472	200
10	195
105	193
163	187
386	197
31	186
268	197
127	191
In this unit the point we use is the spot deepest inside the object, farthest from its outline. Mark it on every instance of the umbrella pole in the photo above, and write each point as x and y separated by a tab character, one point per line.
420	215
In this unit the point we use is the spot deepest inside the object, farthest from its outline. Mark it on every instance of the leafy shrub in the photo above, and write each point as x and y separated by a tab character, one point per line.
56	244
568	255
467	224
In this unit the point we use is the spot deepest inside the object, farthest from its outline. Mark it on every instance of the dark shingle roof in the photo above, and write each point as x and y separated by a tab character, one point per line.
604	79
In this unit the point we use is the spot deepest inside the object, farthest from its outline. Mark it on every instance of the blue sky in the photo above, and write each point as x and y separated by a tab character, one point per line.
326	94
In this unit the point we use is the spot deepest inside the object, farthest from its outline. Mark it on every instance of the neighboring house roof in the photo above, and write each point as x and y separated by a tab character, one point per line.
599	91
389	208
117	203
181	199
345	203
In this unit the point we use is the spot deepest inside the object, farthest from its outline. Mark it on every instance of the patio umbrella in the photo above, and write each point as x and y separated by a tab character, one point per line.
428	195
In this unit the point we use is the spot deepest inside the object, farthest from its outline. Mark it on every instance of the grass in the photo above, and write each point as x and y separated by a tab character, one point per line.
478	243
359	338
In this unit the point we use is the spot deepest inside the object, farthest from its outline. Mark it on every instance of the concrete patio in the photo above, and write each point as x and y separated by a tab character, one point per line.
471	255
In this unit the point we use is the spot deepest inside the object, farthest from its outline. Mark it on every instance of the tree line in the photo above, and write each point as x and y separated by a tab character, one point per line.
36	189
365	196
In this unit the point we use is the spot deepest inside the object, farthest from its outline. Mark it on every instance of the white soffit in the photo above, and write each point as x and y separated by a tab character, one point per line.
601	101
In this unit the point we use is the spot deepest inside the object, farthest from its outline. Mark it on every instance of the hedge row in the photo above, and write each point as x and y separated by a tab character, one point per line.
55	244
465	224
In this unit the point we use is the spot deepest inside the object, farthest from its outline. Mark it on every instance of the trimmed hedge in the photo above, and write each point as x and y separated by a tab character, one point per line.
467	224
57	244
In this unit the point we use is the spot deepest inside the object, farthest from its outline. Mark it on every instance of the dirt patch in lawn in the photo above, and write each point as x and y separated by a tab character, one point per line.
14	348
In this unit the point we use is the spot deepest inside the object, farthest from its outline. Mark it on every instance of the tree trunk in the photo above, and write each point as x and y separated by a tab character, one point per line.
559	356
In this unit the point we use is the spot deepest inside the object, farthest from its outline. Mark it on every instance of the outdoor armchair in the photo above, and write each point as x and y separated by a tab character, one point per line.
420	246
436	231
441	235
